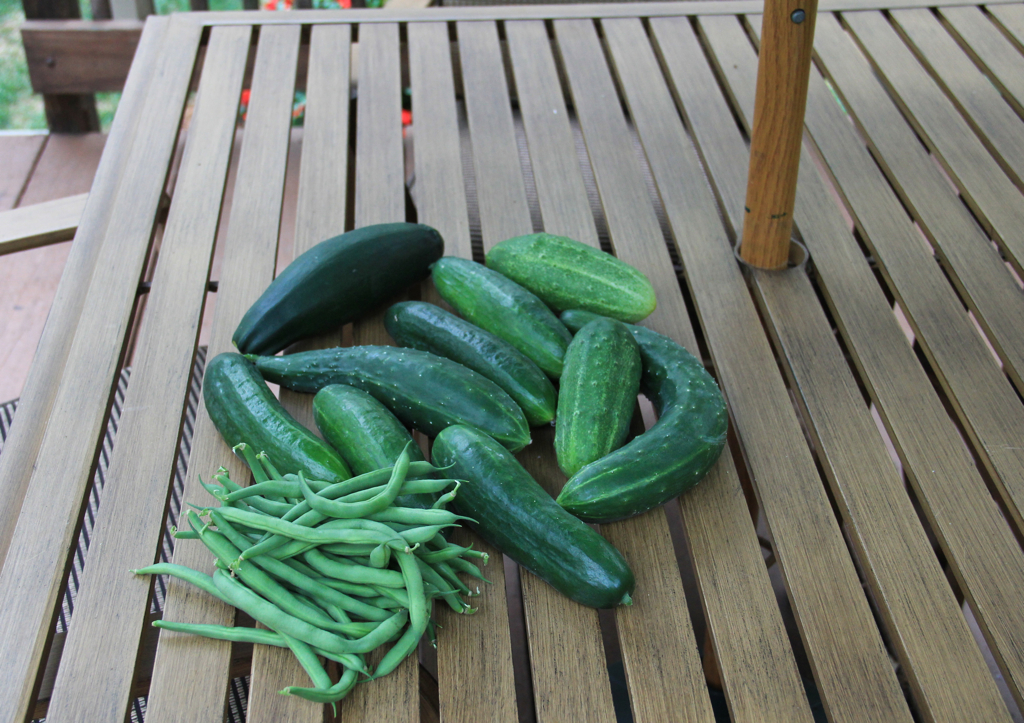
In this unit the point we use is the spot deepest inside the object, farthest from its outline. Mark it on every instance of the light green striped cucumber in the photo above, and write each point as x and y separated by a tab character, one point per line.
567	274
423	390
431	328
597	394
668	458
504	308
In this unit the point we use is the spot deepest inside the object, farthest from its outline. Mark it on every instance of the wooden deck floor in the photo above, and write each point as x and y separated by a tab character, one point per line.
35	168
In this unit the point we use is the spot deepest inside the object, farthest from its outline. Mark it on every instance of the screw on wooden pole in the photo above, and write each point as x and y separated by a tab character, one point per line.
783	70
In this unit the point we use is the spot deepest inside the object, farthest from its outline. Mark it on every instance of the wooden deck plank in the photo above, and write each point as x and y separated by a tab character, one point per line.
989	192
20	154
834	616
35	566
567	658
977	99
668	685
40	224
951	681
983	396
98	664
739	597
249	256
980	275
1011	18
55	340
976	539
989	48
480	647
380	198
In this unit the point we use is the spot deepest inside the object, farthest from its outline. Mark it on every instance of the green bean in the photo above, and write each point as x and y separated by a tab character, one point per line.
252	460
345	587
385	602
203	582
184	534
337	508
414	516
452	598
265	505
274	618
309	662
274	487
448	497
448	552
462	565
343	570
330	532
417	618
347	550
380	557
329	695
272	472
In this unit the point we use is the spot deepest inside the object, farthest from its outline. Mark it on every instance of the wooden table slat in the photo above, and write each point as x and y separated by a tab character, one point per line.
976	268
566	651
841	629
989	192
1011	18
979	37
40	547
55	343
975	537
977	99
982	395
916	602
380	198
637	239
479	647
128	525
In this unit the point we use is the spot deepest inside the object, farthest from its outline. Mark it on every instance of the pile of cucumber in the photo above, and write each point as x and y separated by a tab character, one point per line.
544	311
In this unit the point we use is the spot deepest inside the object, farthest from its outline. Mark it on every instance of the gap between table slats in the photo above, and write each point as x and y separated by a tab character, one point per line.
663	668
978	543
1011	18
834	616
478	648
55	343
566	651
921	614
39	550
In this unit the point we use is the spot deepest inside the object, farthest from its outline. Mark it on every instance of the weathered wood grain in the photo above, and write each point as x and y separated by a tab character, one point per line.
822	585
917	606
35	566
40	224
469	649
975	538
95	676
20	154
1011	18
79	56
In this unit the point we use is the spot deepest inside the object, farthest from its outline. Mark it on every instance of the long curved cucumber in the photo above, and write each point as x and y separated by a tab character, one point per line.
504	308
423	390
517	516
366	434
427	327
567	274
243	409
597	394
336	282
671	456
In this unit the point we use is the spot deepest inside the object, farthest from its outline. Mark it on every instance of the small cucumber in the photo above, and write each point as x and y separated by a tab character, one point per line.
336	282
567	274
517	516
366	434
430	328
597	394
504	308
243	409
423	390
671	456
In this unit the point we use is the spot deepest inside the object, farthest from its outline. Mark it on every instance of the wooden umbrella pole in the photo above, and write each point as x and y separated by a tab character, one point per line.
783	70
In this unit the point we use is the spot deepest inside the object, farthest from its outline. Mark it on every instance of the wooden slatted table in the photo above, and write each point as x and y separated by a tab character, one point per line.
877	449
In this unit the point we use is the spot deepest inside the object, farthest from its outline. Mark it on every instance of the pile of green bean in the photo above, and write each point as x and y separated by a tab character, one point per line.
333	570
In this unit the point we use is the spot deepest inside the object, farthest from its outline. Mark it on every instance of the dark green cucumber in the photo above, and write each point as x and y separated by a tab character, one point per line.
423	390
243	409
504	308
671	456
366	434
430	328
336	282
517	516
597	394
567	274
